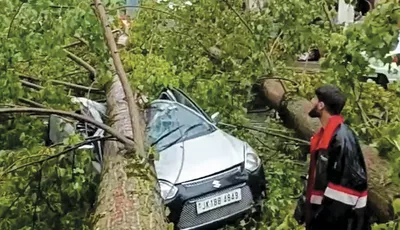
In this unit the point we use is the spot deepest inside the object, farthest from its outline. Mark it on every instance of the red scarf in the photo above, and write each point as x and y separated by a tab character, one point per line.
320	140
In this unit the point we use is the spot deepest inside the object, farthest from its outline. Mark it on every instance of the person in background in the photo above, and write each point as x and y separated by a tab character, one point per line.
361	8
336	192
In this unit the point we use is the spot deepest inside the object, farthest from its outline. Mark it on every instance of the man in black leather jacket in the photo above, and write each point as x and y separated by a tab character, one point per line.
336	193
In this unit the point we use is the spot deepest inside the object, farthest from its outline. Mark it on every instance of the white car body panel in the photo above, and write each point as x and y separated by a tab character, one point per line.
199	157
184	161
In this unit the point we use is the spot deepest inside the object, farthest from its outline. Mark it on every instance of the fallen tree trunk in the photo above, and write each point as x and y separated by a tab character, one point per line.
294	113
128	198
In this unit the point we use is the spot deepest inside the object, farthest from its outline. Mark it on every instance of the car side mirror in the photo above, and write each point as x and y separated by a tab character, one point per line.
58	129
215	117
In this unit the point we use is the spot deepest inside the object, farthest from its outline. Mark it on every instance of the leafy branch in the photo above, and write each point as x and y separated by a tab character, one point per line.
3	215
25	158
56	155
328	16
77	43
38	196
152	9
267	57
13	19
128	143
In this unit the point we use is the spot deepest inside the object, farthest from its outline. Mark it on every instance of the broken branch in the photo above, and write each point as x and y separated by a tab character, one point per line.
31	103
80	62
77	87
58	82
31	85
72	44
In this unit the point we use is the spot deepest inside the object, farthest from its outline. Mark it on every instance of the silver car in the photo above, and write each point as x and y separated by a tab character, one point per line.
207	176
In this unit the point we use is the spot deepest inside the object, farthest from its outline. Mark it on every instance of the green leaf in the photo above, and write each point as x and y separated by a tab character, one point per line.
396	206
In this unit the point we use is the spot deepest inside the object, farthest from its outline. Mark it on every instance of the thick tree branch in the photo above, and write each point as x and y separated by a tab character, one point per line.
73	73
61	7
31	85
80	62
31	103
81	40
58	82
127	142
135	117
78	87
77	43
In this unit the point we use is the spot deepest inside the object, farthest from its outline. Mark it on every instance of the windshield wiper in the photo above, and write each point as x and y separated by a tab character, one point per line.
183	135
191	128
167	134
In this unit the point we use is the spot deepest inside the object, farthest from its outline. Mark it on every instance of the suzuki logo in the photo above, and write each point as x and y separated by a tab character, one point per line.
216	184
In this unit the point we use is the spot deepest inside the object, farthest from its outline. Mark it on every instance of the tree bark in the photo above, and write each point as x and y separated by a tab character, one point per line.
294	113
133	110
128	198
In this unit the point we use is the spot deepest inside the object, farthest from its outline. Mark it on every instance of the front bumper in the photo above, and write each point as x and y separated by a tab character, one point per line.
183	207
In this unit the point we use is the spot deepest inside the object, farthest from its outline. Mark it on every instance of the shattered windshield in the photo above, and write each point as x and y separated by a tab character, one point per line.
169	123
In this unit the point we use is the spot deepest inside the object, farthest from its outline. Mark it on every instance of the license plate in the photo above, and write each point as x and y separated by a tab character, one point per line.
214	202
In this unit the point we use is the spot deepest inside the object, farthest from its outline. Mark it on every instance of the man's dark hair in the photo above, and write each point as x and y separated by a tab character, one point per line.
332	97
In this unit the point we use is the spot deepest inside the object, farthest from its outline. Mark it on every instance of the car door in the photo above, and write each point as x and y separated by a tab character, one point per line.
179	96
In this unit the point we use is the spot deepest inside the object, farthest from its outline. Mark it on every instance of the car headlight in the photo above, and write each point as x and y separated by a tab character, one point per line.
252	161
168	190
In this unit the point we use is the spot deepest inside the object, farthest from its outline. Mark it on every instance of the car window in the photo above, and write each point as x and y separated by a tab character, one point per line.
186	100
179	96
169	123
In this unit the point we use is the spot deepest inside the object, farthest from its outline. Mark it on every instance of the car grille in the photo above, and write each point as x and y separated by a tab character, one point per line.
211	178
189	217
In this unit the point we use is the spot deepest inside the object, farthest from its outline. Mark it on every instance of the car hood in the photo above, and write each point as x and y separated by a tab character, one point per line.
202	156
